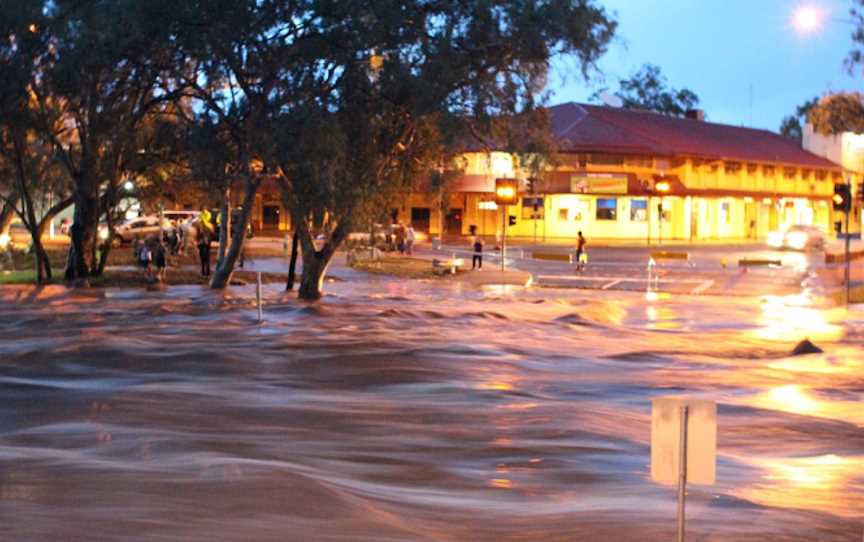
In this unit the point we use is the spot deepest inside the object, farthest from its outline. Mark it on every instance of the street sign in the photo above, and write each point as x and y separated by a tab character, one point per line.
701	443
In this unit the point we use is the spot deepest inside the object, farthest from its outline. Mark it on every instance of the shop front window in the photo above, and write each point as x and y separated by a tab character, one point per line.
532	208
726	212
638	210
607	209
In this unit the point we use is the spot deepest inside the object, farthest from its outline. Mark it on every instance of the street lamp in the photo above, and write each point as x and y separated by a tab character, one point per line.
807	19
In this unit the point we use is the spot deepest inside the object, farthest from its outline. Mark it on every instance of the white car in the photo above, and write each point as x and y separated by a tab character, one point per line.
142	227
799	237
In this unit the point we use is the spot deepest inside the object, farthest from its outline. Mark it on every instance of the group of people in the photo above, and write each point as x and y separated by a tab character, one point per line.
476	243
151	256
402	238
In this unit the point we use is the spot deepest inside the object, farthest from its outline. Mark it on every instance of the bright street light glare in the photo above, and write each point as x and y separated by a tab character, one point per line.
808	19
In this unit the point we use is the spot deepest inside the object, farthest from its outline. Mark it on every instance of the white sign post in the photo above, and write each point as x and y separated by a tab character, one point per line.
683	445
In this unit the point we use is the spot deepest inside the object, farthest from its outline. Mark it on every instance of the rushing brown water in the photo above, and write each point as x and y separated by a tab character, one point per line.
399	411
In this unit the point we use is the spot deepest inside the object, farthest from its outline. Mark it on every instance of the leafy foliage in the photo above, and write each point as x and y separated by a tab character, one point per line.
648	89
791	126
838	113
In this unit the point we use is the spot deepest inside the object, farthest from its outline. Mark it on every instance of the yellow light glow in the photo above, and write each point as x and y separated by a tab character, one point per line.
824	483
807	19
4	240
662	186
33	28
505	192
766	201
376	62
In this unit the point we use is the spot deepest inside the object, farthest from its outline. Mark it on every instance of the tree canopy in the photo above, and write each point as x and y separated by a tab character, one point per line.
838	113
791	125
649	89
340	103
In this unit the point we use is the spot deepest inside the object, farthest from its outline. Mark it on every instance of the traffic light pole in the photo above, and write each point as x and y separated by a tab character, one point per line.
846	273
503	234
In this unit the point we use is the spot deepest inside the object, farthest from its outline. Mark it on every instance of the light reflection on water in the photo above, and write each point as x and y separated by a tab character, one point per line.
396	411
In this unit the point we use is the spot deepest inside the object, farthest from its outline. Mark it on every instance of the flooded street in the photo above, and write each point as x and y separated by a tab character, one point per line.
399	410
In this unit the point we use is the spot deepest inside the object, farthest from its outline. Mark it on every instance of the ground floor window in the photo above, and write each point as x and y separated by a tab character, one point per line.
725	212
532	208
638	210
607	209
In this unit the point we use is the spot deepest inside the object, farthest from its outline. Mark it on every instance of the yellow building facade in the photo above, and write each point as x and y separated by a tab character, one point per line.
642	185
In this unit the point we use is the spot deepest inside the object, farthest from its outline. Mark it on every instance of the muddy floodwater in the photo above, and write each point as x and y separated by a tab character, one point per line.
402	411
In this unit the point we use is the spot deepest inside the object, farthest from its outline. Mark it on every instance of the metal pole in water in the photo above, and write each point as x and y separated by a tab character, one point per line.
503	234
682	473
846	275
258	297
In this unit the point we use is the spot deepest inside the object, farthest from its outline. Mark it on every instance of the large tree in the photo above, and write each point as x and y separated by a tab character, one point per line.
371	88
649	89
101	77
791	126
30	177
838	113
237	53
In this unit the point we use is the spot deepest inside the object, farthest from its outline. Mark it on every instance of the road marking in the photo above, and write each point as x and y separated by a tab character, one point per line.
617	279
702	287
611	284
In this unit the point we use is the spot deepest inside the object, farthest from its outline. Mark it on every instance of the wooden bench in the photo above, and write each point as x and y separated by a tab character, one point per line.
442	267
661	255
759	262
552	256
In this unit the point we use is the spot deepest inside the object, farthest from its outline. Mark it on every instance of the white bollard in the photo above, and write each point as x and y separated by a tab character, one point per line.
258	297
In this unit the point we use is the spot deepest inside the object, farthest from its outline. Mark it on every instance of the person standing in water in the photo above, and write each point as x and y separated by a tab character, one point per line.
203	242
580	251
477	258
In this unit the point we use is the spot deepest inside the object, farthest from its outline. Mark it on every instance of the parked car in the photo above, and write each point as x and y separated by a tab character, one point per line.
144	226
798	237
181	217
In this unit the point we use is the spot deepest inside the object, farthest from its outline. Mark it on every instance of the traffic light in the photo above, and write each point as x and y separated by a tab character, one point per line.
511	220
506	191
842	198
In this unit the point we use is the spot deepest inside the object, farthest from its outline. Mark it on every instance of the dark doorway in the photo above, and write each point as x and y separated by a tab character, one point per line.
270	217
454	221
420	218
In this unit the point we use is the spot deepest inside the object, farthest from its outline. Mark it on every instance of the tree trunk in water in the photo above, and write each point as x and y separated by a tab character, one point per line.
51	214
292	266
224	227
225	267
83	237
43	265
314	266
7	213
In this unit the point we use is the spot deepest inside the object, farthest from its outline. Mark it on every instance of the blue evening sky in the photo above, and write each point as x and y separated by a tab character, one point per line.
721	49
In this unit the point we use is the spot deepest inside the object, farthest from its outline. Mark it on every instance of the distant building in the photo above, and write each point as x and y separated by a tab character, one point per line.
632	175
845	150
722	182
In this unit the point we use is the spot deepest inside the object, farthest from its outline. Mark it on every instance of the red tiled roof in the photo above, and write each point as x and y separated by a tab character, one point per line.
581	127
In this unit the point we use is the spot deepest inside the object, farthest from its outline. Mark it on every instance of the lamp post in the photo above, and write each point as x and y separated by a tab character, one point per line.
506	193
661	188
809	19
